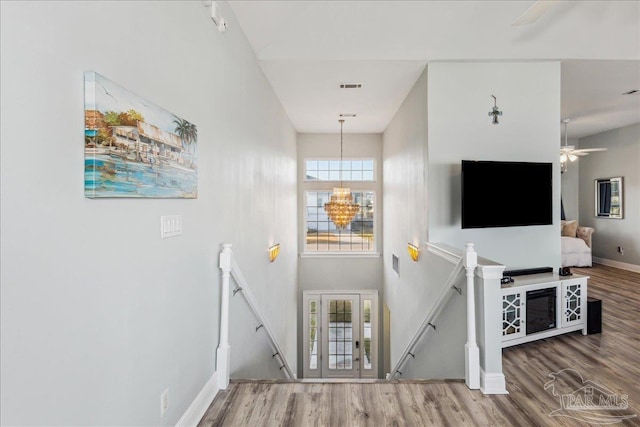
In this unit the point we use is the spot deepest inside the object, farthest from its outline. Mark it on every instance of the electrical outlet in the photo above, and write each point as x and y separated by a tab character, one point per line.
621	250
164	402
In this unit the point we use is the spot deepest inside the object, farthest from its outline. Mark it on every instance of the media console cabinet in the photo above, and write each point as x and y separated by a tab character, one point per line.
538	306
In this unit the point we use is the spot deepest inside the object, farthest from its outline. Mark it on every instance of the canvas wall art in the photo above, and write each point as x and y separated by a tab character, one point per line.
134	148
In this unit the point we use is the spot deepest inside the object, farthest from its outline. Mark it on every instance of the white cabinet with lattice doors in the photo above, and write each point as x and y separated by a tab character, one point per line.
512	314
574	302
539	306
340	334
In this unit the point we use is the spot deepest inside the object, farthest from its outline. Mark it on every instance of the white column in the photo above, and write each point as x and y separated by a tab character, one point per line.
492	380
224	350
471	354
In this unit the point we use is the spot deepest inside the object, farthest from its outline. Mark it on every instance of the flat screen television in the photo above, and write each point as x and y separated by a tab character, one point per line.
506	194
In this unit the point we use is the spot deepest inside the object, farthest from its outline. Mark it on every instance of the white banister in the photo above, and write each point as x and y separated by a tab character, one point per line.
483	350
468	261
441	300
223	353
472	354
492	380
249	298
229	269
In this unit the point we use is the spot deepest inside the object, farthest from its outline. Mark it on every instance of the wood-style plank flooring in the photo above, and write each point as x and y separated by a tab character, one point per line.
610	360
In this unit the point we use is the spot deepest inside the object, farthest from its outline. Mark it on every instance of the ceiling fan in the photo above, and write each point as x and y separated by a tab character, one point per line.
570	152
535	11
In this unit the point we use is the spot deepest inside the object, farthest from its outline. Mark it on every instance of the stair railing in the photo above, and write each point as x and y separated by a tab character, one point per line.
468	263
230	269
428	322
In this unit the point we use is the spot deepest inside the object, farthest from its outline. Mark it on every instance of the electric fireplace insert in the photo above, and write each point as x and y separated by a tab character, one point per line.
541	310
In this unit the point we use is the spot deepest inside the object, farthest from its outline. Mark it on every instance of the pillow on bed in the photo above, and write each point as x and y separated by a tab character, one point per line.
569	228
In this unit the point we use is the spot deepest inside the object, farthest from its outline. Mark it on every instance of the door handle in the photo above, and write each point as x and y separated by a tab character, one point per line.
357	344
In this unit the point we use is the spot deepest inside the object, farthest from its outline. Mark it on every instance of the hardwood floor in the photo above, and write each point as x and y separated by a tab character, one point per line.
609	361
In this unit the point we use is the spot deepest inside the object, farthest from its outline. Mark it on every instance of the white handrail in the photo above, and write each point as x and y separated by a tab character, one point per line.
468	263
248	297
243	286
444	296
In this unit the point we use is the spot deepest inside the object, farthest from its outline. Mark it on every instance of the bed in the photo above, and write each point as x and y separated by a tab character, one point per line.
576	245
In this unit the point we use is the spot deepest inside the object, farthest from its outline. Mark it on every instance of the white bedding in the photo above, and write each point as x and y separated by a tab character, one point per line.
575	252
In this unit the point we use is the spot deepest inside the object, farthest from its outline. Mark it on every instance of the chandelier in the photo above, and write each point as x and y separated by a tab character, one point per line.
341	208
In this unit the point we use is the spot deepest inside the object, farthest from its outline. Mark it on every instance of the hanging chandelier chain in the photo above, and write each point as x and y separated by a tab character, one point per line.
341	124
341	208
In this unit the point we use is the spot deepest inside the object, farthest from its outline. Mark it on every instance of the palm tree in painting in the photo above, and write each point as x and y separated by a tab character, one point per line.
188	133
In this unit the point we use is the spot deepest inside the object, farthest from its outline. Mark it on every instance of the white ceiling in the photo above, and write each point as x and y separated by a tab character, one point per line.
307	48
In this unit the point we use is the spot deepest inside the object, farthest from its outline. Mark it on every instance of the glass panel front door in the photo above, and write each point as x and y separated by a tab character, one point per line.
341	341
340	331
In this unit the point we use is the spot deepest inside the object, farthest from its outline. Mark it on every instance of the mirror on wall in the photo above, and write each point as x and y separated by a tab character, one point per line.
608	197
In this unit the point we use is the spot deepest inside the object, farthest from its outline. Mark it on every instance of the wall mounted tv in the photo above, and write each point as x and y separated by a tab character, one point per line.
506	194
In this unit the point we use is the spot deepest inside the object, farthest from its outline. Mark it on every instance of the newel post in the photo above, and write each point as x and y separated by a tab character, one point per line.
472	354
223	353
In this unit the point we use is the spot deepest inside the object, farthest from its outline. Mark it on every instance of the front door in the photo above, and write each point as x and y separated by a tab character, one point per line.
340	334
341	340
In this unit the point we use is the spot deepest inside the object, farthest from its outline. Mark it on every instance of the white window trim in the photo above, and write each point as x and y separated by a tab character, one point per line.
375	169
344	254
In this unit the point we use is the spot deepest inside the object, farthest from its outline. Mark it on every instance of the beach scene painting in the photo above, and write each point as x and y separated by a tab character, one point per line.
134	148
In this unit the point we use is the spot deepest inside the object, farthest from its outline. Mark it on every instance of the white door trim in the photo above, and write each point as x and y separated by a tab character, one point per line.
313	364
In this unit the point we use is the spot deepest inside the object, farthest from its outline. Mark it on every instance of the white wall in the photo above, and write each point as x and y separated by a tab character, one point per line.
338	272
444	120
99	315
410	294
528	93
621	159
404	153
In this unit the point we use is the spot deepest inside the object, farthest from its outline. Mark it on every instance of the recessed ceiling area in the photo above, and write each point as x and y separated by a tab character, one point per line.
310	91
308	48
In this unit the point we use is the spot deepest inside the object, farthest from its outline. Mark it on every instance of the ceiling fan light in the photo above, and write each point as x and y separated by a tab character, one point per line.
573	158
563	158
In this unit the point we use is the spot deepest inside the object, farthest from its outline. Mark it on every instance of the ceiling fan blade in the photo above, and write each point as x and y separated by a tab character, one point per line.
589	150
577	153
535	11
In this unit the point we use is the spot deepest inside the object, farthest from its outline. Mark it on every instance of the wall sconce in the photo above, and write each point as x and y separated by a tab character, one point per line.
414	251
217	19
273	252
495	112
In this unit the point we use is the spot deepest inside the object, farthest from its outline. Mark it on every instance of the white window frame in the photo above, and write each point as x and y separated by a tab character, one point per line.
329	159
373	253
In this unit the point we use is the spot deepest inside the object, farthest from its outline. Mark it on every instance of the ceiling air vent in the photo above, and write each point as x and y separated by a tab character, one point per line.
631	92
350	85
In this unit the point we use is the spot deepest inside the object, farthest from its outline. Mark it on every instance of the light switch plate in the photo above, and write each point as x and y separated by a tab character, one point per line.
170	226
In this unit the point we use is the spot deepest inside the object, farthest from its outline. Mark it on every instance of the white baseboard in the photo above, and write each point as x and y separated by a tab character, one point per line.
492	383
200	404
617	264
